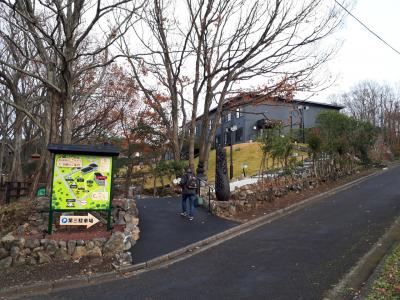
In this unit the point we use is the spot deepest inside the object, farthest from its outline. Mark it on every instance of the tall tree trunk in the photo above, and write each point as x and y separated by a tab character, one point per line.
53	119
205	145
45	165
67	108
191	143
2	148
192	133
175	128
204	136
67	81
16	165
67	116
176	147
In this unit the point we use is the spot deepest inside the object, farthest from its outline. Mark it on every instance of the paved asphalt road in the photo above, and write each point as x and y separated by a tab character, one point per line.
163	230
299	256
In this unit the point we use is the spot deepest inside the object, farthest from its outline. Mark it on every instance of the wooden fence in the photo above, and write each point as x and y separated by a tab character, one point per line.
14	190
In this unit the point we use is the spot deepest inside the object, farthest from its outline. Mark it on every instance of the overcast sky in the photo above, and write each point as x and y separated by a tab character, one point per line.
362	55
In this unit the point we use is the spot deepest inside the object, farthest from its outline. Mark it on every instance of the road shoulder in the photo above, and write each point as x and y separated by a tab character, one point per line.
357	282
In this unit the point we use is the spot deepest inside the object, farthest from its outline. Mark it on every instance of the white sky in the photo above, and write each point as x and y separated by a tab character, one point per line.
362	55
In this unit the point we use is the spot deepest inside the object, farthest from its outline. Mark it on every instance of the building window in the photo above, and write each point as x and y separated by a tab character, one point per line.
239	135
197	129
209	124
238	113
228	117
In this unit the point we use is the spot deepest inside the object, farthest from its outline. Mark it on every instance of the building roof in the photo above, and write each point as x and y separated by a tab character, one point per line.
295	101
321	104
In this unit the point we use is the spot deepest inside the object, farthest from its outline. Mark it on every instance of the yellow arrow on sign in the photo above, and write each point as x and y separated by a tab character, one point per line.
87	221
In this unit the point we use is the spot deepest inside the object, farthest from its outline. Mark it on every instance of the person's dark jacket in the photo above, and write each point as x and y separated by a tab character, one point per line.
185	189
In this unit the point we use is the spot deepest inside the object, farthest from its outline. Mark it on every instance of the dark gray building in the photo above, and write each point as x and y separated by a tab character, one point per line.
243	123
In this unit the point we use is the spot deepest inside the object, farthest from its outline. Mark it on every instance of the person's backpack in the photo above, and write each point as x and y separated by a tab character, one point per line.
191	182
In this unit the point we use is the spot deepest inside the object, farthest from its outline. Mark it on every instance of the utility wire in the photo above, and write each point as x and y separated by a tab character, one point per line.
366	27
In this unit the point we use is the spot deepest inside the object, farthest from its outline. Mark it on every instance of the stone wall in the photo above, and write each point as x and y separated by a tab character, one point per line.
27	244
252	196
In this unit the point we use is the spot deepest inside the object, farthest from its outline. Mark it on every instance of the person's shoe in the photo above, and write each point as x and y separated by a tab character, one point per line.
191	218
183	214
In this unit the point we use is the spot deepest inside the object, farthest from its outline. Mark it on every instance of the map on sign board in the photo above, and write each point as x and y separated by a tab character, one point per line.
81	182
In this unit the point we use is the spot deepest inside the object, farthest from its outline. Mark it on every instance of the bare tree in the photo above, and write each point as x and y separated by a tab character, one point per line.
206	50
5	132
245	40
63	34
18	89
54	58
98	115
363	101
378	104
159	69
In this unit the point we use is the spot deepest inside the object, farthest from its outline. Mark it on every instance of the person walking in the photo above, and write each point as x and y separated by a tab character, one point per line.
189	188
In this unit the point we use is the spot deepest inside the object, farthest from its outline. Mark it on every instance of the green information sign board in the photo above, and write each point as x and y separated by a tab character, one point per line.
82	179
81	182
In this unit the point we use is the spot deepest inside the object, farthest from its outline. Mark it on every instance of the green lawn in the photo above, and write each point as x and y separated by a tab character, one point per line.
246	153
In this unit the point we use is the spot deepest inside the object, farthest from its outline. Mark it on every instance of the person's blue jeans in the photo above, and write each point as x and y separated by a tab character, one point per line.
189	210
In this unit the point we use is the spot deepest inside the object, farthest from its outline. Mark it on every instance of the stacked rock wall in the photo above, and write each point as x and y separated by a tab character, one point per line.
252	196
25	246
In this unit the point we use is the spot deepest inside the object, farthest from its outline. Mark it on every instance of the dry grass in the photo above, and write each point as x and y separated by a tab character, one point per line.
246	153
14	214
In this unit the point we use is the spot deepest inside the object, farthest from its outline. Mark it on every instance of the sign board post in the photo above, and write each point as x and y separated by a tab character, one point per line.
81	181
